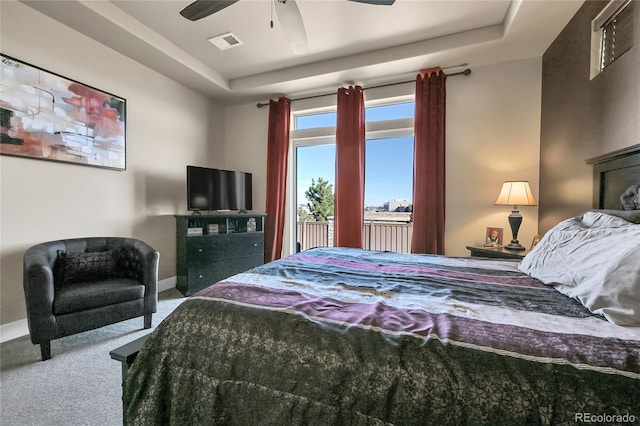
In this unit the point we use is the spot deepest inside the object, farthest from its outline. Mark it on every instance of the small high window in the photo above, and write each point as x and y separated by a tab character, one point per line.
617	35
611	34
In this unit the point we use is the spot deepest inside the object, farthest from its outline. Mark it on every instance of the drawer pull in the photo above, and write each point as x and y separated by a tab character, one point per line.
200	276
200	250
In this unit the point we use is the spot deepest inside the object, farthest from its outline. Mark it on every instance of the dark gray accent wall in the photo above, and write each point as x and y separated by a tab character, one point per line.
582	118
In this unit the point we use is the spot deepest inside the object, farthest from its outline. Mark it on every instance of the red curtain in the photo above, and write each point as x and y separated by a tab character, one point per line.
277	153
350	140
429	162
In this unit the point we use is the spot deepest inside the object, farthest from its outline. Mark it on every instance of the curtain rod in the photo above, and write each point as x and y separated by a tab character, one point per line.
465	72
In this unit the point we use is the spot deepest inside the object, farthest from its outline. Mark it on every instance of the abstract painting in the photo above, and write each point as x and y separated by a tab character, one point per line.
46	116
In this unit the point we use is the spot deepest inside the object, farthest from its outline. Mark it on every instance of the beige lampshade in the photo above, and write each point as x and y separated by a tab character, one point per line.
515	193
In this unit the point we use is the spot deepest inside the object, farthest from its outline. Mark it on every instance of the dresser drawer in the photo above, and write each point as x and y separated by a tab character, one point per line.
223	247
244	245
201	277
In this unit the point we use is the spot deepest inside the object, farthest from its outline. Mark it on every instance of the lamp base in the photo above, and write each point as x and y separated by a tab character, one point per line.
514	246
515	219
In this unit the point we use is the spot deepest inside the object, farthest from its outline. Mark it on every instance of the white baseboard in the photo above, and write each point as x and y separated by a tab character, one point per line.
13	330
167	283
20	328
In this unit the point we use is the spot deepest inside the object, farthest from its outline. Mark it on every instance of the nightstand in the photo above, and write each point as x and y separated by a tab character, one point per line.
496	252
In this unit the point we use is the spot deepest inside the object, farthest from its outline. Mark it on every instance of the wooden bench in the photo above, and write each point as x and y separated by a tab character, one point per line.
126	354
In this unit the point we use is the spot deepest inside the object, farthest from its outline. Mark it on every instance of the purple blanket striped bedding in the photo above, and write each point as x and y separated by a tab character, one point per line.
346	336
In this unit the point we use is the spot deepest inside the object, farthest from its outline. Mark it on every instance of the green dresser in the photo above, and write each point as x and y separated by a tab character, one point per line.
210	248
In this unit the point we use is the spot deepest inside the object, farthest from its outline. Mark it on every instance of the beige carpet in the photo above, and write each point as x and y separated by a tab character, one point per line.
80	384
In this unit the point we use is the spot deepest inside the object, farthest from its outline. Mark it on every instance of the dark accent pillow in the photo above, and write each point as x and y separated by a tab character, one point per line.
95	249
81	267
128	263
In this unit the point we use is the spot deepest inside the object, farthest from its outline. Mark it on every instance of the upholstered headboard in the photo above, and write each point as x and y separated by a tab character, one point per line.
613	174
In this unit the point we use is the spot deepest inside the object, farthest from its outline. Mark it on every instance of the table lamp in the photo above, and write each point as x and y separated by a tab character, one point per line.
515	193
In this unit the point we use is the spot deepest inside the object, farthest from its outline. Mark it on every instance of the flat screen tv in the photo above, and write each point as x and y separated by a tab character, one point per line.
215	189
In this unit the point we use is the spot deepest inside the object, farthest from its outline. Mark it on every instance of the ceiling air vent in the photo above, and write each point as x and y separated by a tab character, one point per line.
225	41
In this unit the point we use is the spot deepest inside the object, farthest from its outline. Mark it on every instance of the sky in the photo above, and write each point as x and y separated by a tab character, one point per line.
388	164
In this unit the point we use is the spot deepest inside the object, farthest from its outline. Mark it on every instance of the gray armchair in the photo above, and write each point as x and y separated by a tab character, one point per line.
81	284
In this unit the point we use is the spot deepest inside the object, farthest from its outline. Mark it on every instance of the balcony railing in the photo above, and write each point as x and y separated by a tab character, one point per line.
313	234
380	236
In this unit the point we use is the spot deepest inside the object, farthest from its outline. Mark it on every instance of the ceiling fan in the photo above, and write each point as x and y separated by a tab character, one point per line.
287	11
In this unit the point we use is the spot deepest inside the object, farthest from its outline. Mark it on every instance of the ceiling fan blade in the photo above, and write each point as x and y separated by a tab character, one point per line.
292	25
376	2
202	8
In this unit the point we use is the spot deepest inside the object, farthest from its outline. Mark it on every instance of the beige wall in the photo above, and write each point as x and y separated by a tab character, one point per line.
583	118
493	131
168	127
493	134
245	136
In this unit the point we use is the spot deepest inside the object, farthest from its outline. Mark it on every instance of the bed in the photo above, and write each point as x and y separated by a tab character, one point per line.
345	336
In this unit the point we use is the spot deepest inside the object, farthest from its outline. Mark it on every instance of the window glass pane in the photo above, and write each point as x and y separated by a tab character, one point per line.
388	193
315	171
389	112
377	113
388	174
314	121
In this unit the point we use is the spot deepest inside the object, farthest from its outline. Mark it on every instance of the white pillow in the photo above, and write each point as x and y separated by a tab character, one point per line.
594	258
629	215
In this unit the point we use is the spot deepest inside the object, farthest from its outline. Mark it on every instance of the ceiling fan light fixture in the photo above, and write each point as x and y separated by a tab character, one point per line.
376	2
225	41
288	15
292	25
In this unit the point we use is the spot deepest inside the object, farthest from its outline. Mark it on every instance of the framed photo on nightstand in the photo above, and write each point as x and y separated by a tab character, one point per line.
536	240
493	237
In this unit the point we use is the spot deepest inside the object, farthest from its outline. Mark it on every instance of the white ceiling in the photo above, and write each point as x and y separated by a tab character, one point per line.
348	41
